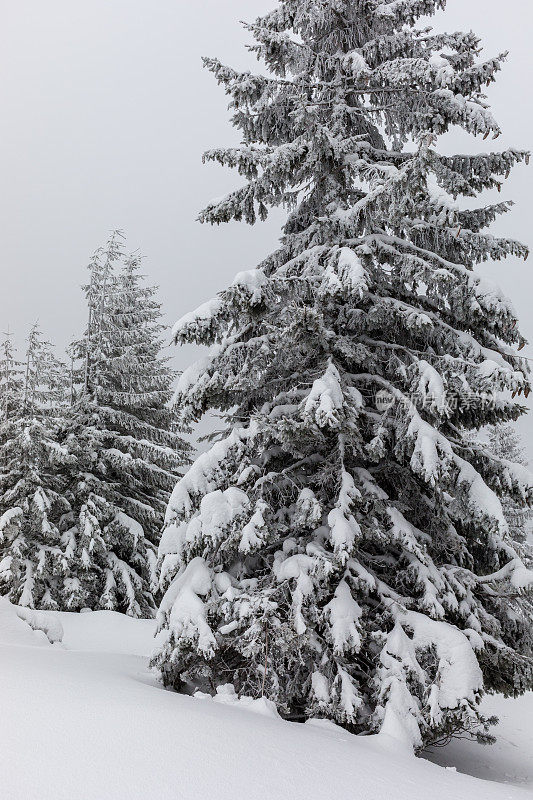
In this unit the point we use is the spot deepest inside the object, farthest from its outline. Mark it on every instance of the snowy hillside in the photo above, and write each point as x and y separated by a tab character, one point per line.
85	719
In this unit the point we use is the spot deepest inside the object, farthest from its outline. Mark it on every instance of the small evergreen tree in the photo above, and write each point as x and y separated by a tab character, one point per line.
342	548
121	432
31	475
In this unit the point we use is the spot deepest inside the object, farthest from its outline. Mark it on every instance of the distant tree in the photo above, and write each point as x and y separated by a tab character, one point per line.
505	443
122	434
11	380
348	557
32	478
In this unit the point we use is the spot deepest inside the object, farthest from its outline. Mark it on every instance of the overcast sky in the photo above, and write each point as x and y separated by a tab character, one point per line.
105	113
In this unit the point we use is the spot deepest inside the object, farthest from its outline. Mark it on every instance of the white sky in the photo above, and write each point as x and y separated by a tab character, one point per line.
105	114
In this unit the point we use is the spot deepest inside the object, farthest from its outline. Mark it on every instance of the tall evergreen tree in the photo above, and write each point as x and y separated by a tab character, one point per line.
342	548
122	434
32	464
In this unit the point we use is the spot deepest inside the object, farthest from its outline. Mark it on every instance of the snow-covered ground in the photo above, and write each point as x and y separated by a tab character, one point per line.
85	720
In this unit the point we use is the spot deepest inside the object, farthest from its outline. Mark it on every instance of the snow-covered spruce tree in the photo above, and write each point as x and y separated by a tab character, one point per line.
347	558
32	475
123	437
